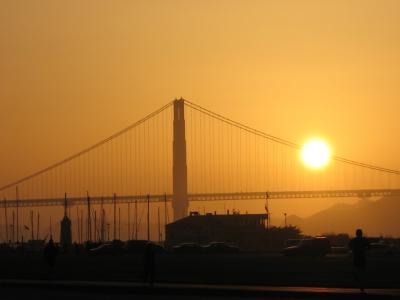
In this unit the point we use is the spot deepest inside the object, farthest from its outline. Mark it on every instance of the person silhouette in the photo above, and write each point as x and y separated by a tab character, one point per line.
50	253
359	246
77	248
149	264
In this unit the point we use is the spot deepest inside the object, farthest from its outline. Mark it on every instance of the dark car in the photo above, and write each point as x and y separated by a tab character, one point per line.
106	249
316	246
135	246
34	246
340	250
381	249
292	242
139	246
187	248
6	249
220	247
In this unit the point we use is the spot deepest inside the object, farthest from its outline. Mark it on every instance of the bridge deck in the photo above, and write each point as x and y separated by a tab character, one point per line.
203	197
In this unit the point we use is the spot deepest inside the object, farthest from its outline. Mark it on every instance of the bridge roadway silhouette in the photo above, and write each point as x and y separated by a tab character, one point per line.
202	197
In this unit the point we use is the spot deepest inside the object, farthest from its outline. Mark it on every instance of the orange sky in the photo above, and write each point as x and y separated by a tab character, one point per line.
74	72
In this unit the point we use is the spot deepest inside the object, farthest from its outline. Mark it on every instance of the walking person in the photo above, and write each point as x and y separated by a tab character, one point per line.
359	246
149	264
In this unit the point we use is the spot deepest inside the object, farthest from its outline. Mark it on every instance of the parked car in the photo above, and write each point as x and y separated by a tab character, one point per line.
6	249
135	246
34	246
88	245
316	246
220	247
340	250
377	249
139	246
106	249
187	248
292	242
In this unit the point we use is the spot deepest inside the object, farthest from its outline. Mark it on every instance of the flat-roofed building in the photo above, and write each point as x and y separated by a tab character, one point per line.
247	231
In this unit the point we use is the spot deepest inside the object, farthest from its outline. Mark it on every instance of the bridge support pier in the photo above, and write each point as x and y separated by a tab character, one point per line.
180	202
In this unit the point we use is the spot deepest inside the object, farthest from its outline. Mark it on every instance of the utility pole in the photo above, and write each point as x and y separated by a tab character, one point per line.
129	221
165	217
38	226
32	233
102	224
79	225
17	198
13	227
51	230
165	209
89	224
285	220
115	216
95	225
65	205
5	215
159	226
148	218
267	210
119	223
136	220
102	221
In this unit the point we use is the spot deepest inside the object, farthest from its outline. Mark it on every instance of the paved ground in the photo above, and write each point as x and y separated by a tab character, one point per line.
33	289
236	276
261	269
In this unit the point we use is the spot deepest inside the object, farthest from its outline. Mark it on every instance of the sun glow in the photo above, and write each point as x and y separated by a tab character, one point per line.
315	154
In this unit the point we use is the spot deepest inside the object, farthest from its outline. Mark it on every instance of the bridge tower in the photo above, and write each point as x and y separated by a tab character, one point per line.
180	201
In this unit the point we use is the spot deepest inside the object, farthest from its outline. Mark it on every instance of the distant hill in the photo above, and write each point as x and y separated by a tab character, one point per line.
381	217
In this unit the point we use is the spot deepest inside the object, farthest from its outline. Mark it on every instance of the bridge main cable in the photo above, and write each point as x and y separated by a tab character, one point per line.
149	116
283	141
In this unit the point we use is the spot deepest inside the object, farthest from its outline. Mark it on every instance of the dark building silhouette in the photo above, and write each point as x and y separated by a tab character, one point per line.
180	201
247	231
65	232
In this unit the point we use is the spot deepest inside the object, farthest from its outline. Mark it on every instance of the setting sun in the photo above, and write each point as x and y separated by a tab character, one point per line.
315	154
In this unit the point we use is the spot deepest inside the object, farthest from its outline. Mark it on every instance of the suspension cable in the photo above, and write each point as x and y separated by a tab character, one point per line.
153	114
283	141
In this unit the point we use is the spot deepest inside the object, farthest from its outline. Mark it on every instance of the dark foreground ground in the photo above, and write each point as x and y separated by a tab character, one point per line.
260	269
33	289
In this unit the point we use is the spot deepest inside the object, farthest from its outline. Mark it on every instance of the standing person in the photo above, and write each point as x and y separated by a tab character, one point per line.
149	264
77	248
359	246
50	254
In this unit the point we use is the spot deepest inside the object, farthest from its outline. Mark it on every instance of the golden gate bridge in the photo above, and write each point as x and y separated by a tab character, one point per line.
183	153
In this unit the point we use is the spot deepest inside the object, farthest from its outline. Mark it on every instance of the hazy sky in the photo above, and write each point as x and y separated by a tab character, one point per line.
74	72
